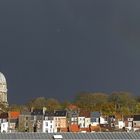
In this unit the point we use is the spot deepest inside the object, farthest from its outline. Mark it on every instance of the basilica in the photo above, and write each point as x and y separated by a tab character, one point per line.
3	90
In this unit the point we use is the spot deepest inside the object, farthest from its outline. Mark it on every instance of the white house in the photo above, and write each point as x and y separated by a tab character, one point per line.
121	124
103	120
4	127
87	122
49	126
81	121
84	122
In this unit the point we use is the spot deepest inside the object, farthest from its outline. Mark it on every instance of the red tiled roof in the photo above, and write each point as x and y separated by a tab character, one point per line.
84	114
63	130
72	107
13	114
73	128
85	129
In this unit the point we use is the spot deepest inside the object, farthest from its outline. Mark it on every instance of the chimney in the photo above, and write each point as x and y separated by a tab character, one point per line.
32	109
44	110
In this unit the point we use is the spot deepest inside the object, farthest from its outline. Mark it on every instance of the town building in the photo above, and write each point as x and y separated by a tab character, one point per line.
49	126
13	117
48	123
4	127
3	122
84	120
60	119
25	124
95	118
136	122
72	116
37	117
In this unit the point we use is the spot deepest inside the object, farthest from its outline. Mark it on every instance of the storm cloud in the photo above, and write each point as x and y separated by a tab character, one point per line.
58	48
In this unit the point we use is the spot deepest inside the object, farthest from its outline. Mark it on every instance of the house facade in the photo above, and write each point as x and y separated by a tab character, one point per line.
60	120
4	127
49	126
136	121
25	124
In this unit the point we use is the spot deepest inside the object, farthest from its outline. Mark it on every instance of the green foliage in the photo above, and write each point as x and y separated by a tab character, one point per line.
53	104
117	102
137	108
40	102
91	101
37	103
65	104
20	108
122	103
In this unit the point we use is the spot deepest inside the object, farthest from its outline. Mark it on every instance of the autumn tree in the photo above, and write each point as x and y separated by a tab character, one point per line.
124	102
53	104
91	101
37	103
20	108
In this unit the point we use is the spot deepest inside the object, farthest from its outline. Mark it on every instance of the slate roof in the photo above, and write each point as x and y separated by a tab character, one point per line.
25	113
136	117
74	136
49	113
37	112
60	113
95	114
84	113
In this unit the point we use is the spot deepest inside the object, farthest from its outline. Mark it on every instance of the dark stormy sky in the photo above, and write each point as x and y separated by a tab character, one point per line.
58	48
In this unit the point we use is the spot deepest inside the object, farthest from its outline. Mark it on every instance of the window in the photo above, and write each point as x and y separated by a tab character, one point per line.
46	123
35	118
46	130
26	124
3	125
26	118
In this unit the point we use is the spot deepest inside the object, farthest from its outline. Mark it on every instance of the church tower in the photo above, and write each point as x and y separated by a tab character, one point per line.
3	90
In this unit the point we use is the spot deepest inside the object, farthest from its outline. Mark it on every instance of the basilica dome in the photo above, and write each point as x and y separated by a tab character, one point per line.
2	79
3	90
3	84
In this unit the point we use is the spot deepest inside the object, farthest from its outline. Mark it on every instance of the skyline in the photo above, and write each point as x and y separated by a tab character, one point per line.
59	48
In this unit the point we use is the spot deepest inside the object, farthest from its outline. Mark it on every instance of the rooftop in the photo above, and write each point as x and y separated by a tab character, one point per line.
77	136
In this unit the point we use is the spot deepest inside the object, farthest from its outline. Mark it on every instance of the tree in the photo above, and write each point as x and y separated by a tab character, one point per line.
53	104
65	104
20	108
37	103
108	108
91	101
123	102
137	108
